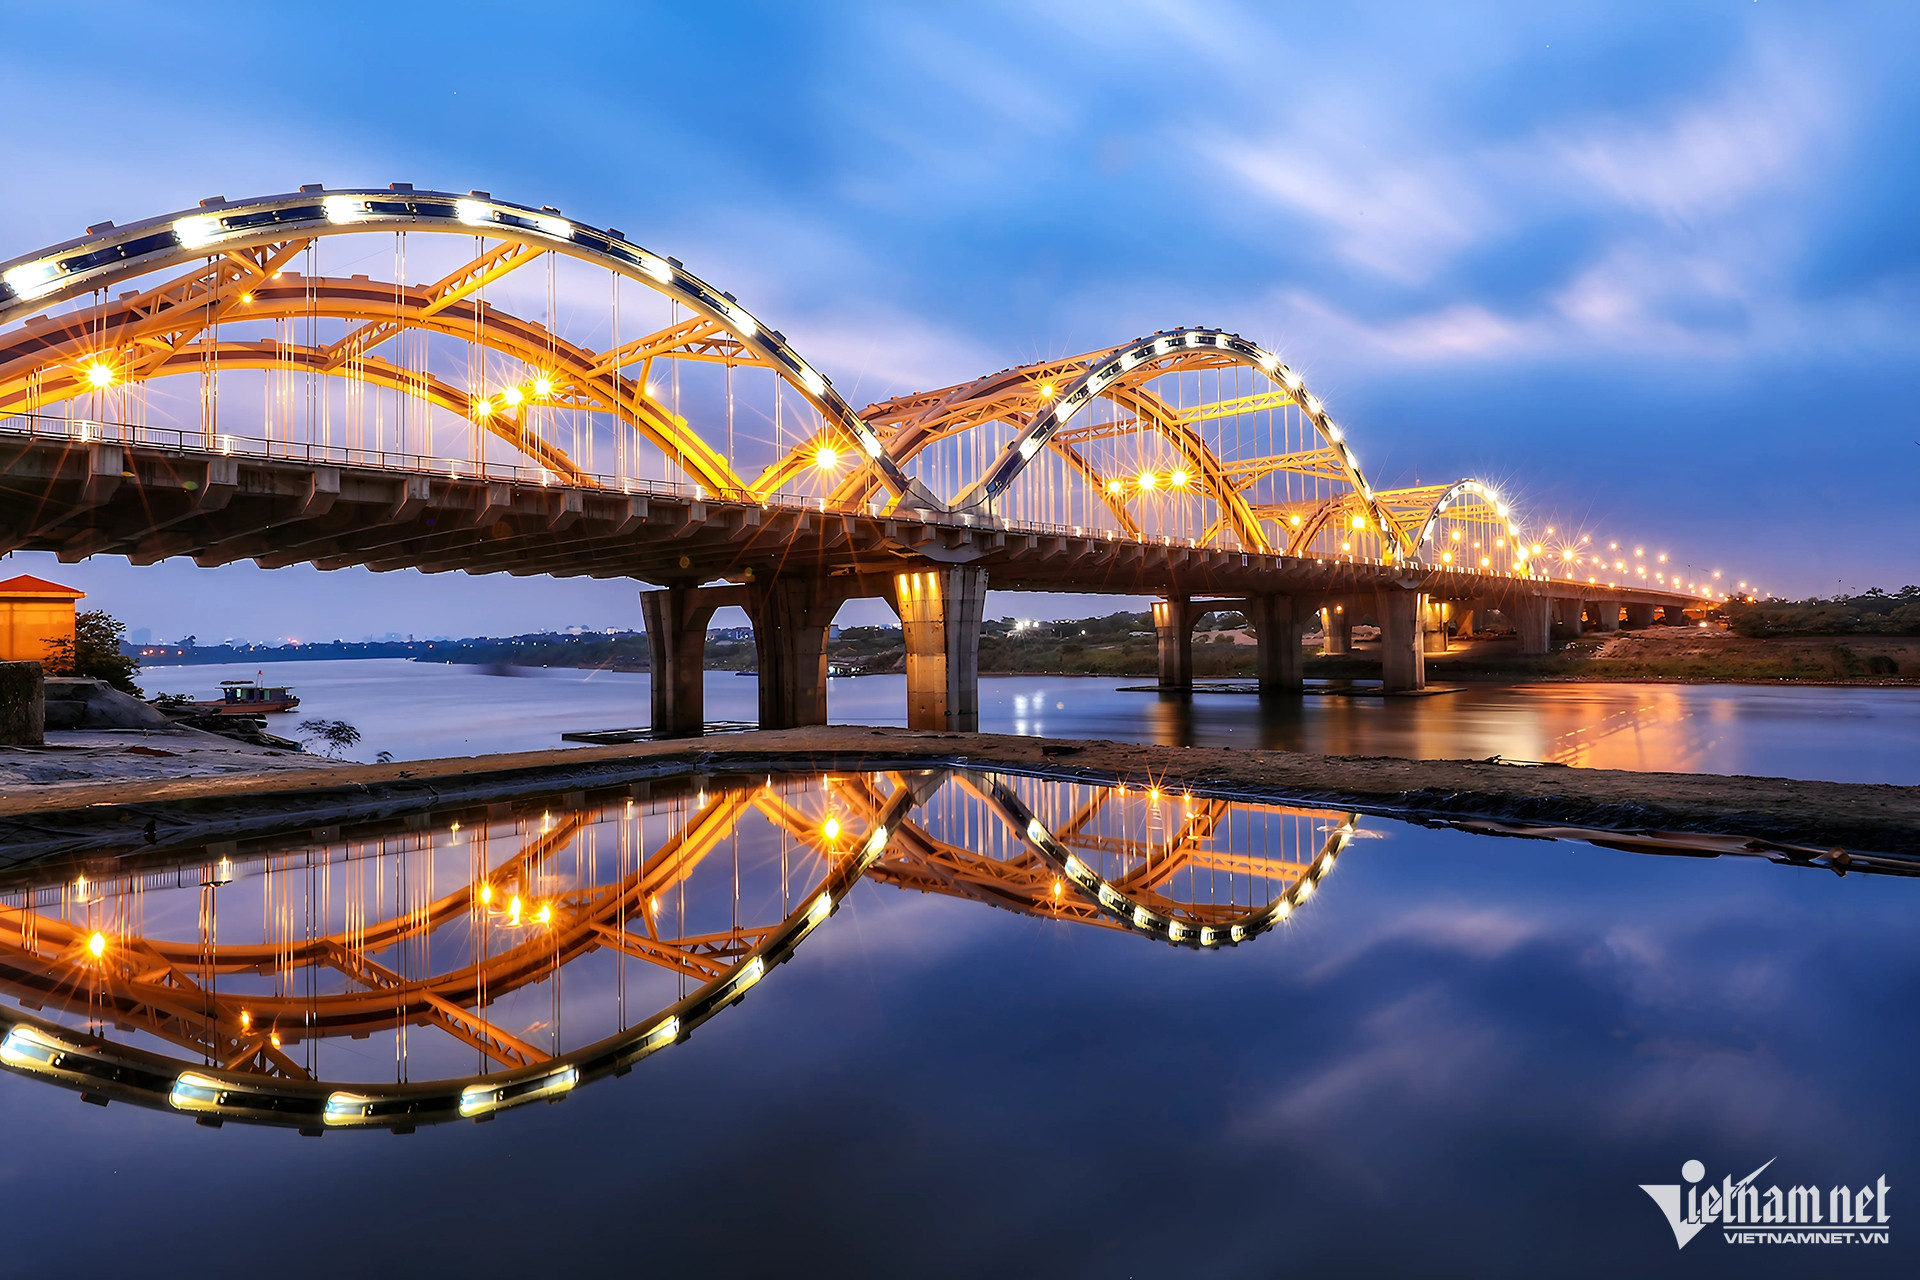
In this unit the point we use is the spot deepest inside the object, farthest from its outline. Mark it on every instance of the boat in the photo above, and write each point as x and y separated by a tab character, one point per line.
245	698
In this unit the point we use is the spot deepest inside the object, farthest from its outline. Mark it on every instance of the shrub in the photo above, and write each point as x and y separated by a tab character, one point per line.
93	651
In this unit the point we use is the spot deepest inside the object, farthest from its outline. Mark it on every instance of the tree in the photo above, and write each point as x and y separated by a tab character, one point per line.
338	735
93	651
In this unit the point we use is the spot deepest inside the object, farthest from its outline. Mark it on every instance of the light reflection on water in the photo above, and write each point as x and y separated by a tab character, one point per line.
1487	1043
533	947
422	710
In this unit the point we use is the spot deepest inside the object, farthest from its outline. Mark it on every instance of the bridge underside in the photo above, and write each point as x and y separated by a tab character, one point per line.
789	565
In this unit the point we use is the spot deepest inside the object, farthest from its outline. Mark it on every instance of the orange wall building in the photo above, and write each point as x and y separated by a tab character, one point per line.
32	612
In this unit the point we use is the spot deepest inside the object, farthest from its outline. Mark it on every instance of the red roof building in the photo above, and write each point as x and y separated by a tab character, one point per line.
32	612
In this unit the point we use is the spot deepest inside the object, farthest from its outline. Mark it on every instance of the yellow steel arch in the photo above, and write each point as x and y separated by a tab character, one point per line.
241	240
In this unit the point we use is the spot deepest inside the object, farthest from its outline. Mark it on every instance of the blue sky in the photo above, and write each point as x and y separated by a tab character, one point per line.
1657	268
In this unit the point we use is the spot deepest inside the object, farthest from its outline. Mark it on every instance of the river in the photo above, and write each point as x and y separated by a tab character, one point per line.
420	710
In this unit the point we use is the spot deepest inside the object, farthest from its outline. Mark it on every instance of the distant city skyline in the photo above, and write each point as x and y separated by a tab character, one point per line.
1665	264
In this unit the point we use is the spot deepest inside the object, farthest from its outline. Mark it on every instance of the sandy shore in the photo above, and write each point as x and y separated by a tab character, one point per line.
76	817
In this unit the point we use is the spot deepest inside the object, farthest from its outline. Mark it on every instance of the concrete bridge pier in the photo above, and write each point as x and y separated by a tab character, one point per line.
1532	618
1336	622
1403	657
1640	616
1673	615
1606	614
1173	620
676	621
1279	626
790	620
940	612
1434	625
1569	616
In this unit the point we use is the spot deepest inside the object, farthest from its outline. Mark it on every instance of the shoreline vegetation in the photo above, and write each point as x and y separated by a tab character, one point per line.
1871	639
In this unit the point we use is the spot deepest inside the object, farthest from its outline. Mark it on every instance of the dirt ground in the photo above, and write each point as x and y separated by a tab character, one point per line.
37	822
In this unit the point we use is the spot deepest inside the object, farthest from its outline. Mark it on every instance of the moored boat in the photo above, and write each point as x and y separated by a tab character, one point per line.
246	698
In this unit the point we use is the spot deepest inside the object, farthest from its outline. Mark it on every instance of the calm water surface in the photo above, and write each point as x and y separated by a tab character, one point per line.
422	710
1458	1056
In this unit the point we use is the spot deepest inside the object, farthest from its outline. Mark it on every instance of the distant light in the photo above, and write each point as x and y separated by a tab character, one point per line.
513	397
99	375
97	945
483	408
543	387
1046	391
1178	479
831	828
545	913
1115	486
1148	480
826	458
1294	521
486	894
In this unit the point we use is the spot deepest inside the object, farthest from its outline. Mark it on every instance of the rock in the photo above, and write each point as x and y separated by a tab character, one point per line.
23	711
78	703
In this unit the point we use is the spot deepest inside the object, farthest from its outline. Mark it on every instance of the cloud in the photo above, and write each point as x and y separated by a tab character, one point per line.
1403	218
1710	157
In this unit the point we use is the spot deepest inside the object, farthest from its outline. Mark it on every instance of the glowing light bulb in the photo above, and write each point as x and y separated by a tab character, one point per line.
246	1020
831	828
545	913
1046	391
826	457
513	396
543	387
97	945
1115	486
99	375
1148	480
486	894
1294	521
1178	479
483	408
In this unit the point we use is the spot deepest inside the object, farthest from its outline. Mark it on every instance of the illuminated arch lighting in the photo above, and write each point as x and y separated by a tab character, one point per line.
50	276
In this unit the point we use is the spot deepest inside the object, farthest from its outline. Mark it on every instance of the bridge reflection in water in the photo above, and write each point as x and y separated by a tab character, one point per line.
410	973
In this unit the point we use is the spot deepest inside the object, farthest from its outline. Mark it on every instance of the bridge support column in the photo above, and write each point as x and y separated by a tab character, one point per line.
676	622
1434	632
940	612
1173	629
1336	622
1403	660
1673	615
1465	614
1569	616
1640	616
1532	618
1279	625
1606	614
790	620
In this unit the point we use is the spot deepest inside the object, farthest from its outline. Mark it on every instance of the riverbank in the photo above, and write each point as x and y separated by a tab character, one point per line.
1805	819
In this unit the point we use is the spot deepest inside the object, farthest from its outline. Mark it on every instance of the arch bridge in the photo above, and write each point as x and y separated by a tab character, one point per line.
410	379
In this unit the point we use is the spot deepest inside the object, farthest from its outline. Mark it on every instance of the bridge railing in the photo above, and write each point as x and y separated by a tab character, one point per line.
75	430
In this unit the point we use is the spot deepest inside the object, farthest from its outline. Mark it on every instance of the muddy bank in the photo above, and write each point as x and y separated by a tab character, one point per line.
113	816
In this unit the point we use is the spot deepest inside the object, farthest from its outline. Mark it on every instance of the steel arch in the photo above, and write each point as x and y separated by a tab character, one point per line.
1111	370
221	228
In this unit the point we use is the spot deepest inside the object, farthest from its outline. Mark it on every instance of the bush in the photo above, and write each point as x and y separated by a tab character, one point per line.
94	652
338	735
